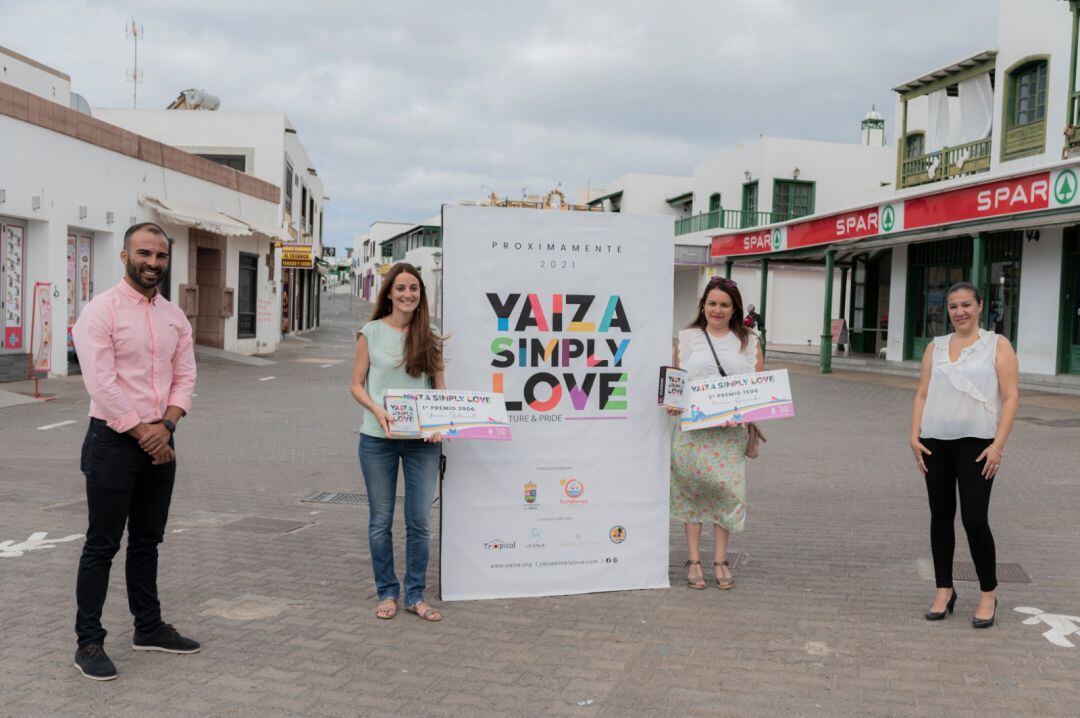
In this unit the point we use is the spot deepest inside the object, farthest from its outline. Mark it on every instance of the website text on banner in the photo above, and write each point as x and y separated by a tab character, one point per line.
568	315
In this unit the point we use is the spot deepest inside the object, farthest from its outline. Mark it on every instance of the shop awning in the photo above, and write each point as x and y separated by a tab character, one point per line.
205	219
275	234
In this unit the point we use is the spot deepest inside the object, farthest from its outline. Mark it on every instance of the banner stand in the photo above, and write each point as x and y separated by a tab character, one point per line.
39	358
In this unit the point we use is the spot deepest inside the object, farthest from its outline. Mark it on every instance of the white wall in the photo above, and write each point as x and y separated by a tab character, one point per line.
67	174
1040	303
35	78
646	194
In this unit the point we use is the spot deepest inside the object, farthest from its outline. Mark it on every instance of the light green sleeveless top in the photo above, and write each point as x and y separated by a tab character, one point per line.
386	347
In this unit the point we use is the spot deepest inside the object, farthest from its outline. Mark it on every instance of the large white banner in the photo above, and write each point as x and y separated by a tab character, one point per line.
569	315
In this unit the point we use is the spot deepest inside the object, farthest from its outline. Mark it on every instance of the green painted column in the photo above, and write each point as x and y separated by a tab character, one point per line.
761	301
826	326
727	268
978	259
843	297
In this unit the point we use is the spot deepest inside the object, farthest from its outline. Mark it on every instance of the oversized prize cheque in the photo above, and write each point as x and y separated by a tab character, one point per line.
743	398
453	413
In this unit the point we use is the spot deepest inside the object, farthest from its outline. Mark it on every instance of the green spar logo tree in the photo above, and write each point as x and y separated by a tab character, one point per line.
888	218
776	239
1065	187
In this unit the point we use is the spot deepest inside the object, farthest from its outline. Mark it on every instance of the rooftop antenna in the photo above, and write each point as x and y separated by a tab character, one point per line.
134	31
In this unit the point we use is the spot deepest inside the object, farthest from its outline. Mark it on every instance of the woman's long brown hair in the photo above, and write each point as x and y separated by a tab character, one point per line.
423	347
736	325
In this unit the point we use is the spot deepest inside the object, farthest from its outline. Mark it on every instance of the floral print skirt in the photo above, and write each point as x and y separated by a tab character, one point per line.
708	476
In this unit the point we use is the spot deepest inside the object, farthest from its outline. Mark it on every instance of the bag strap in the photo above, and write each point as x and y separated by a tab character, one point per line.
713	350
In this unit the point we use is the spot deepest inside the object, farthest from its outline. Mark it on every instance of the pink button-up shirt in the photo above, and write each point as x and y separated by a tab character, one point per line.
136	356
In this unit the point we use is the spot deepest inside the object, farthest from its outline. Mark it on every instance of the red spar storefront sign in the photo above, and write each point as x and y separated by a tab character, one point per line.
1010	196
849	225
753	242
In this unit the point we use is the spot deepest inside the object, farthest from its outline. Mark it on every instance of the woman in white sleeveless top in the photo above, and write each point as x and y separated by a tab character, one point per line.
708	466
964	410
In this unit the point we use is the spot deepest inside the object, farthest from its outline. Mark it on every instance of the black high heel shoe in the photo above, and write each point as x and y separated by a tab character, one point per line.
985	622
940	615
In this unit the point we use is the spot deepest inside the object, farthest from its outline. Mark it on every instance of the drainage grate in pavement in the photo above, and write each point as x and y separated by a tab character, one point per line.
1071	423
1006	572
264	525
678	558
343	497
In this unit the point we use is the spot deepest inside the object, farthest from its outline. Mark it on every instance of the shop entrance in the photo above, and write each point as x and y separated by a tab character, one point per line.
871	276
210	324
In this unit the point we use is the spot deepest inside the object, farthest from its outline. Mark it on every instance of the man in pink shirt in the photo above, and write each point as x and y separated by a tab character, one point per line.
138	364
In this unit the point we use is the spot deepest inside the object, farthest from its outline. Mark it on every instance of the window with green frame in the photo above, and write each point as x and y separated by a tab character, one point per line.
914	145
1025	110
792	199
749	204
714	201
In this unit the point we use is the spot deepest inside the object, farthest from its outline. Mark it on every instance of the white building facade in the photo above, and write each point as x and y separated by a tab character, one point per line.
264	145
71	184
985	191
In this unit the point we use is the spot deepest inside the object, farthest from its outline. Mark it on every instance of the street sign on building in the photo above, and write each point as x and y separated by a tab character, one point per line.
329	251
297	256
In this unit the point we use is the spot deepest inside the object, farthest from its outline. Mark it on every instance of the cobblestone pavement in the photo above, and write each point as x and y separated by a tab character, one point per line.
825	619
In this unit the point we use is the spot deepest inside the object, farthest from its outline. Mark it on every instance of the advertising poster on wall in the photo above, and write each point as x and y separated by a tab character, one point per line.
567	314
41	359
12	250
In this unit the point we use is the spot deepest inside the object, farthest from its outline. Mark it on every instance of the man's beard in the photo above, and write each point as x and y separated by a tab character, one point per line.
136	276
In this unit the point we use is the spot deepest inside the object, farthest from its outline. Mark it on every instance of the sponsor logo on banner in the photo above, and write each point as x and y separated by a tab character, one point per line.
578	540
536	540
573	489
499	545
617	534
1011	196
530	492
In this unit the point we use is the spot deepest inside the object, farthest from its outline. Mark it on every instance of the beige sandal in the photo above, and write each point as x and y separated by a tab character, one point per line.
386	609
695	583
425	611
724	582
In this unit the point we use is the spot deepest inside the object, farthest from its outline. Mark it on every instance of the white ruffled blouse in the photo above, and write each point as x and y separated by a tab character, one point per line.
697	360
963	399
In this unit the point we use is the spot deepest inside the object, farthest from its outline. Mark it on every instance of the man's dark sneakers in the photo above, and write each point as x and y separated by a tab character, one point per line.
94	664
165	638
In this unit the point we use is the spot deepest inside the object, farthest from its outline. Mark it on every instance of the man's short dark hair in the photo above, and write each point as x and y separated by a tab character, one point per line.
154	228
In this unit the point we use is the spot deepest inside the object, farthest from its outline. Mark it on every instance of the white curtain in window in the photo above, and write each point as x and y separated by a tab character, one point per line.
976	108
937	130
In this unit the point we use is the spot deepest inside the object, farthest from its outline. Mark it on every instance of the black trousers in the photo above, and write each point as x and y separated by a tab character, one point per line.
122	487
952	465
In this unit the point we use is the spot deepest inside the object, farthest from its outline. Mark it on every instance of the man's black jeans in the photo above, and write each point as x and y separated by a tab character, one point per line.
122	487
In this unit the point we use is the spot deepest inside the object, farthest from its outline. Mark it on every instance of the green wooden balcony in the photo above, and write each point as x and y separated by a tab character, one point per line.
967	159
727	219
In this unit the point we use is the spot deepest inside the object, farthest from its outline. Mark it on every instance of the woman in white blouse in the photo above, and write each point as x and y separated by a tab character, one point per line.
963	413
708	466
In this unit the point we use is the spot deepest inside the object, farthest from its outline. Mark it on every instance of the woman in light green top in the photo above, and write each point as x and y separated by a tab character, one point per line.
397	349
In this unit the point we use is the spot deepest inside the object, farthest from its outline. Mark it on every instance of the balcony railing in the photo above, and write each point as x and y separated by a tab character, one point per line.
727	219
949	162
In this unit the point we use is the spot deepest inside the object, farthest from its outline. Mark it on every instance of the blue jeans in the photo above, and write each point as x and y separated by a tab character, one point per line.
379	460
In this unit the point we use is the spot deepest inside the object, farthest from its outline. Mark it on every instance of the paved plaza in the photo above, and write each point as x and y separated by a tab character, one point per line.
826	619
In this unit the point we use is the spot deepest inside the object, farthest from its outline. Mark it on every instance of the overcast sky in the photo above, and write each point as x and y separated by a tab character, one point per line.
405	105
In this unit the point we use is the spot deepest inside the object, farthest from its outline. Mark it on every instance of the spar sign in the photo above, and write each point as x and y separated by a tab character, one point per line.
756	241
836	228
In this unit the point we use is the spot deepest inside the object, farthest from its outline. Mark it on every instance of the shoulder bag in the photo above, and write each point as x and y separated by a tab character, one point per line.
754	437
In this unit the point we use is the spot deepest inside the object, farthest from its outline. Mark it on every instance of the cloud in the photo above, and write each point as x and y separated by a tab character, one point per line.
403	106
